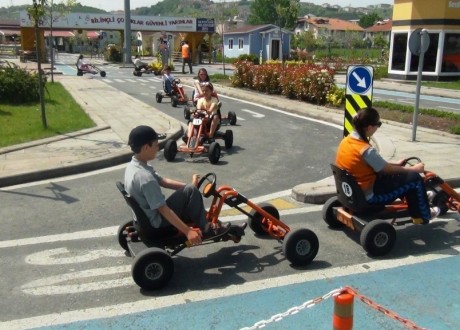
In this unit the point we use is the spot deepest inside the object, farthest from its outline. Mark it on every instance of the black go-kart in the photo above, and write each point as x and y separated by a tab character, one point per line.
138	71
152	249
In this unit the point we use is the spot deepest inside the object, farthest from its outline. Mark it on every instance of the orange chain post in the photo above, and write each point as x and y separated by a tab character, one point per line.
343	311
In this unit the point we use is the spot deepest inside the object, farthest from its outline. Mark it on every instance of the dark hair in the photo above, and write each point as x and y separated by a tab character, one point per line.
81	56
364	118
207	75
207	84
140	136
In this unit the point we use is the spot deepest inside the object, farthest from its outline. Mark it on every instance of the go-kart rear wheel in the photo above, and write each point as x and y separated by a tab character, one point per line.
103	74
231	118
174	100
122	236
328	213
170	150
158	97
152	268
228	138
214	152
300	246
187	113
255	218
440	200
378	237
79	73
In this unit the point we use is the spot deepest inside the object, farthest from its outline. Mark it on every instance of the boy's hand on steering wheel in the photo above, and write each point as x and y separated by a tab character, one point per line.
419	168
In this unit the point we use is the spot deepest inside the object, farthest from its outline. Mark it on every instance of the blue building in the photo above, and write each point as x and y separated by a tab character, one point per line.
268	42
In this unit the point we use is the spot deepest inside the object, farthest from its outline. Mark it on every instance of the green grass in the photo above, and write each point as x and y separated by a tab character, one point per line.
23	123
218	77
449	85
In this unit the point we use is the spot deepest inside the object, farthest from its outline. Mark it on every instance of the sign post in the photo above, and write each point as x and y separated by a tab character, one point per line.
419	41
358	94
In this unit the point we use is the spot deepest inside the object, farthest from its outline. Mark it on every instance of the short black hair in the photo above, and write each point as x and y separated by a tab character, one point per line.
140	136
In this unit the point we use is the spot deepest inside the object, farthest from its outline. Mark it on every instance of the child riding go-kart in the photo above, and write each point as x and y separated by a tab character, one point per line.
376	223
140	67
83	67
225	120
177	94
198	142
152	249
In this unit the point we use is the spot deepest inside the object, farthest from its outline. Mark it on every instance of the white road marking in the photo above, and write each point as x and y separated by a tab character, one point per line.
253	113
131	80
188	297
58	256
119	80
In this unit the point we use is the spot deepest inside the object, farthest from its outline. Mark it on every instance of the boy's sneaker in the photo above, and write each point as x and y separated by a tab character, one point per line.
430	195
435	212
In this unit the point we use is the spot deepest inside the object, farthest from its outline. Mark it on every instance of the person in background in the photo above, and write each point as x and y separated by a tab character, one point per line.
186	57
82	65
168	79
138	63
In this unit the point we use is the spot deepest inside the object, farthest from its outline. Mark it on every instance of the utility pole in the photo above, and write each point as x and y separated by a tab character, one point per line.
127	43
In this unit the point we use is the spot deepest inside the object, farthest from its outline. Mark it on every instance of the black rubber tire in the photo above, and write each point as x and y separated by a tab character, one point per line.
378	237
255	218
440	200
170	150
187	113
122	237
228	138
214	153
328	214
300	246
152	268
103	74
174	101
79	73
158	97
232	118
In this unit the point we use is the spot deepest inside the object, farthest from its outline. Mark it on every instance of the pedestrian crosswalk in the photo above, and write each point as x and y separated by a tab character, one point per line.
131	80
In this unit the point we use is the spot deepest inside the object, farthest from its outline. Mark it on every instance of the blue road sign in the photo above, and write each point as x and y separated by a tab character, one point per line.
359	80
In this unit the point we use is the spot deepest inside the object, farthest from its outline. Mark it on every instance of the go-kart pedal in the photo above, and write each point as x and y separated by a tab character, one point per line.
216	234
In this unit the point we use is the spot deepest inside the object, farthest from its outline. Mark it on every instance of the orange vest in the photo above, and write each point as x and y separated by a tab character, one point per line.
350	157
185	51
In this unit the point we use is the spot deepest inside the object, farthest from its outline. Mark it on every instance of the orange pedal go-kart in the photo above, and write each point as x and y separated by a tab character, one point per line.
224	120
177	94
376	223
198	143
93	70
152	249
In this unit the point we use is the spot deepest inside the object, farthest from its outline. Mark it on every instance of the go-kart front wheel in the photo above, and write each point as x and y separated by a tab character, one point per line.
152	268
187	113
255	220
300	246
214	153
231	118
103	74
228	138
122	236
170	150
328	213
378	237
174	100
158	97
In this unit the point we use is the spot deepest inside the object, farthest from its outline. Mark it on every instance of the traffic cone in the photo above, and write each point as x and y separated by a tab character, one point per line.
343	312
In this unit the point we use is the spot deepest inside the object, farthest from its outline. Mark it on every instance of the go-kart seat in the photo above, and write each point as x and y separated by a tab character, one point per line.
145	230
350	194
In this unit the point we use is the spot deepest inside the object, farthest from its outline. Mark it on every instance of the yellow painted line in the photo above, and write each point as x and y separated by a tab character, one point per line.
279	203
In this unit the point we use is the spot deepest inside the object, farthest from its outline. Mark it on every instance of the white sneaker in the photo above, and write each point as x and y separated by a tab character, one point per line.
435	211
430	195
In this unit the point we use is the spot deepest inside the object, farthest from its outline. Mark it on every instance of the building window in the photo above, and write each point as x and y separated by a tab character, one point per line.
240	43
230	43
429	59
398	61
451	53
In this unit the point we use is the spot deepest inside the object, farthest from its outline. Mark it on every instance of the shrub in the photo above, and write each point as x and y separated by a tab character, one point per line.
336	96
266	78
249	57
113	54
18	85
243	73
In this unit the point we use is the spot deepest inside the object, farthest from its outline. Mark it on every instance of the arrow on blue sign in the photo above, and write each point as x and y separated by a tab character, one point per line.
359	80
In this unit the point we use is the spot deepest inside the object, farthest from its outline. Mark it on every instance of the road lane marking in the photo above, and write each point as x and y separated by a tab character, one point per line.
153	303
253	113
58	256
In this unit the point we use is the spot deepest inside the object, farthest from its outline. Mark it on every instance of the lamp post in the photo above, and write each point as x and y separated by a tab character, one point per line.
127	41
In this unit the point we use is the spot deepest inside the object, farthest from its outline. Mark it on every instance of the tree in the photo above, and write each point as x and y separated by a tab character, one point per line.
305	40
368	20
279	12
37	12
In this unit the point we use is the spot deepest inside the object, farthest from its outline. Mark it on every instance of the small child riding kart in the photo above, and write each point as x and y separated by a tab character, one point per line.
140	67
83	67
376	222
152	249
172	88
199	142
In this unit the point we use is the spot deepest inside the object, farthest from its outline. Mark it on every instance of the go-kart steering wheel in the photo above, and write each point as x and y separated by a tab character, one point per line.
407	161
210	186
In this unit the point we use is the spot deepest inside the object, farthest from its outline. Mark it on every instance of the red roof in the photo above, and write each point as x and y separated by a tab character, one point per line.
383	26
92	34
333	24
65	34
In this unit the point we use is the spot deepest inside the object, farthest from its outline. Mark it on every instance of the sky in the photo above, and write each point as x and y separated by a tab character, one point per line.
110	5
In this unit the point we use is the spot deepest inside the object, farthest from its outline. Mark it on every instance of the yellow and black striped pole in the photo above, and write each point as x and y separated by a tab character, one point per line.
358	93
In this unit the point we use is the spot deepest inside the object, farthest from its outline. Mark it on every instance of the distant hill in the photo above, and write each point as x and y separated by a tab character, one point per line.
208	8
